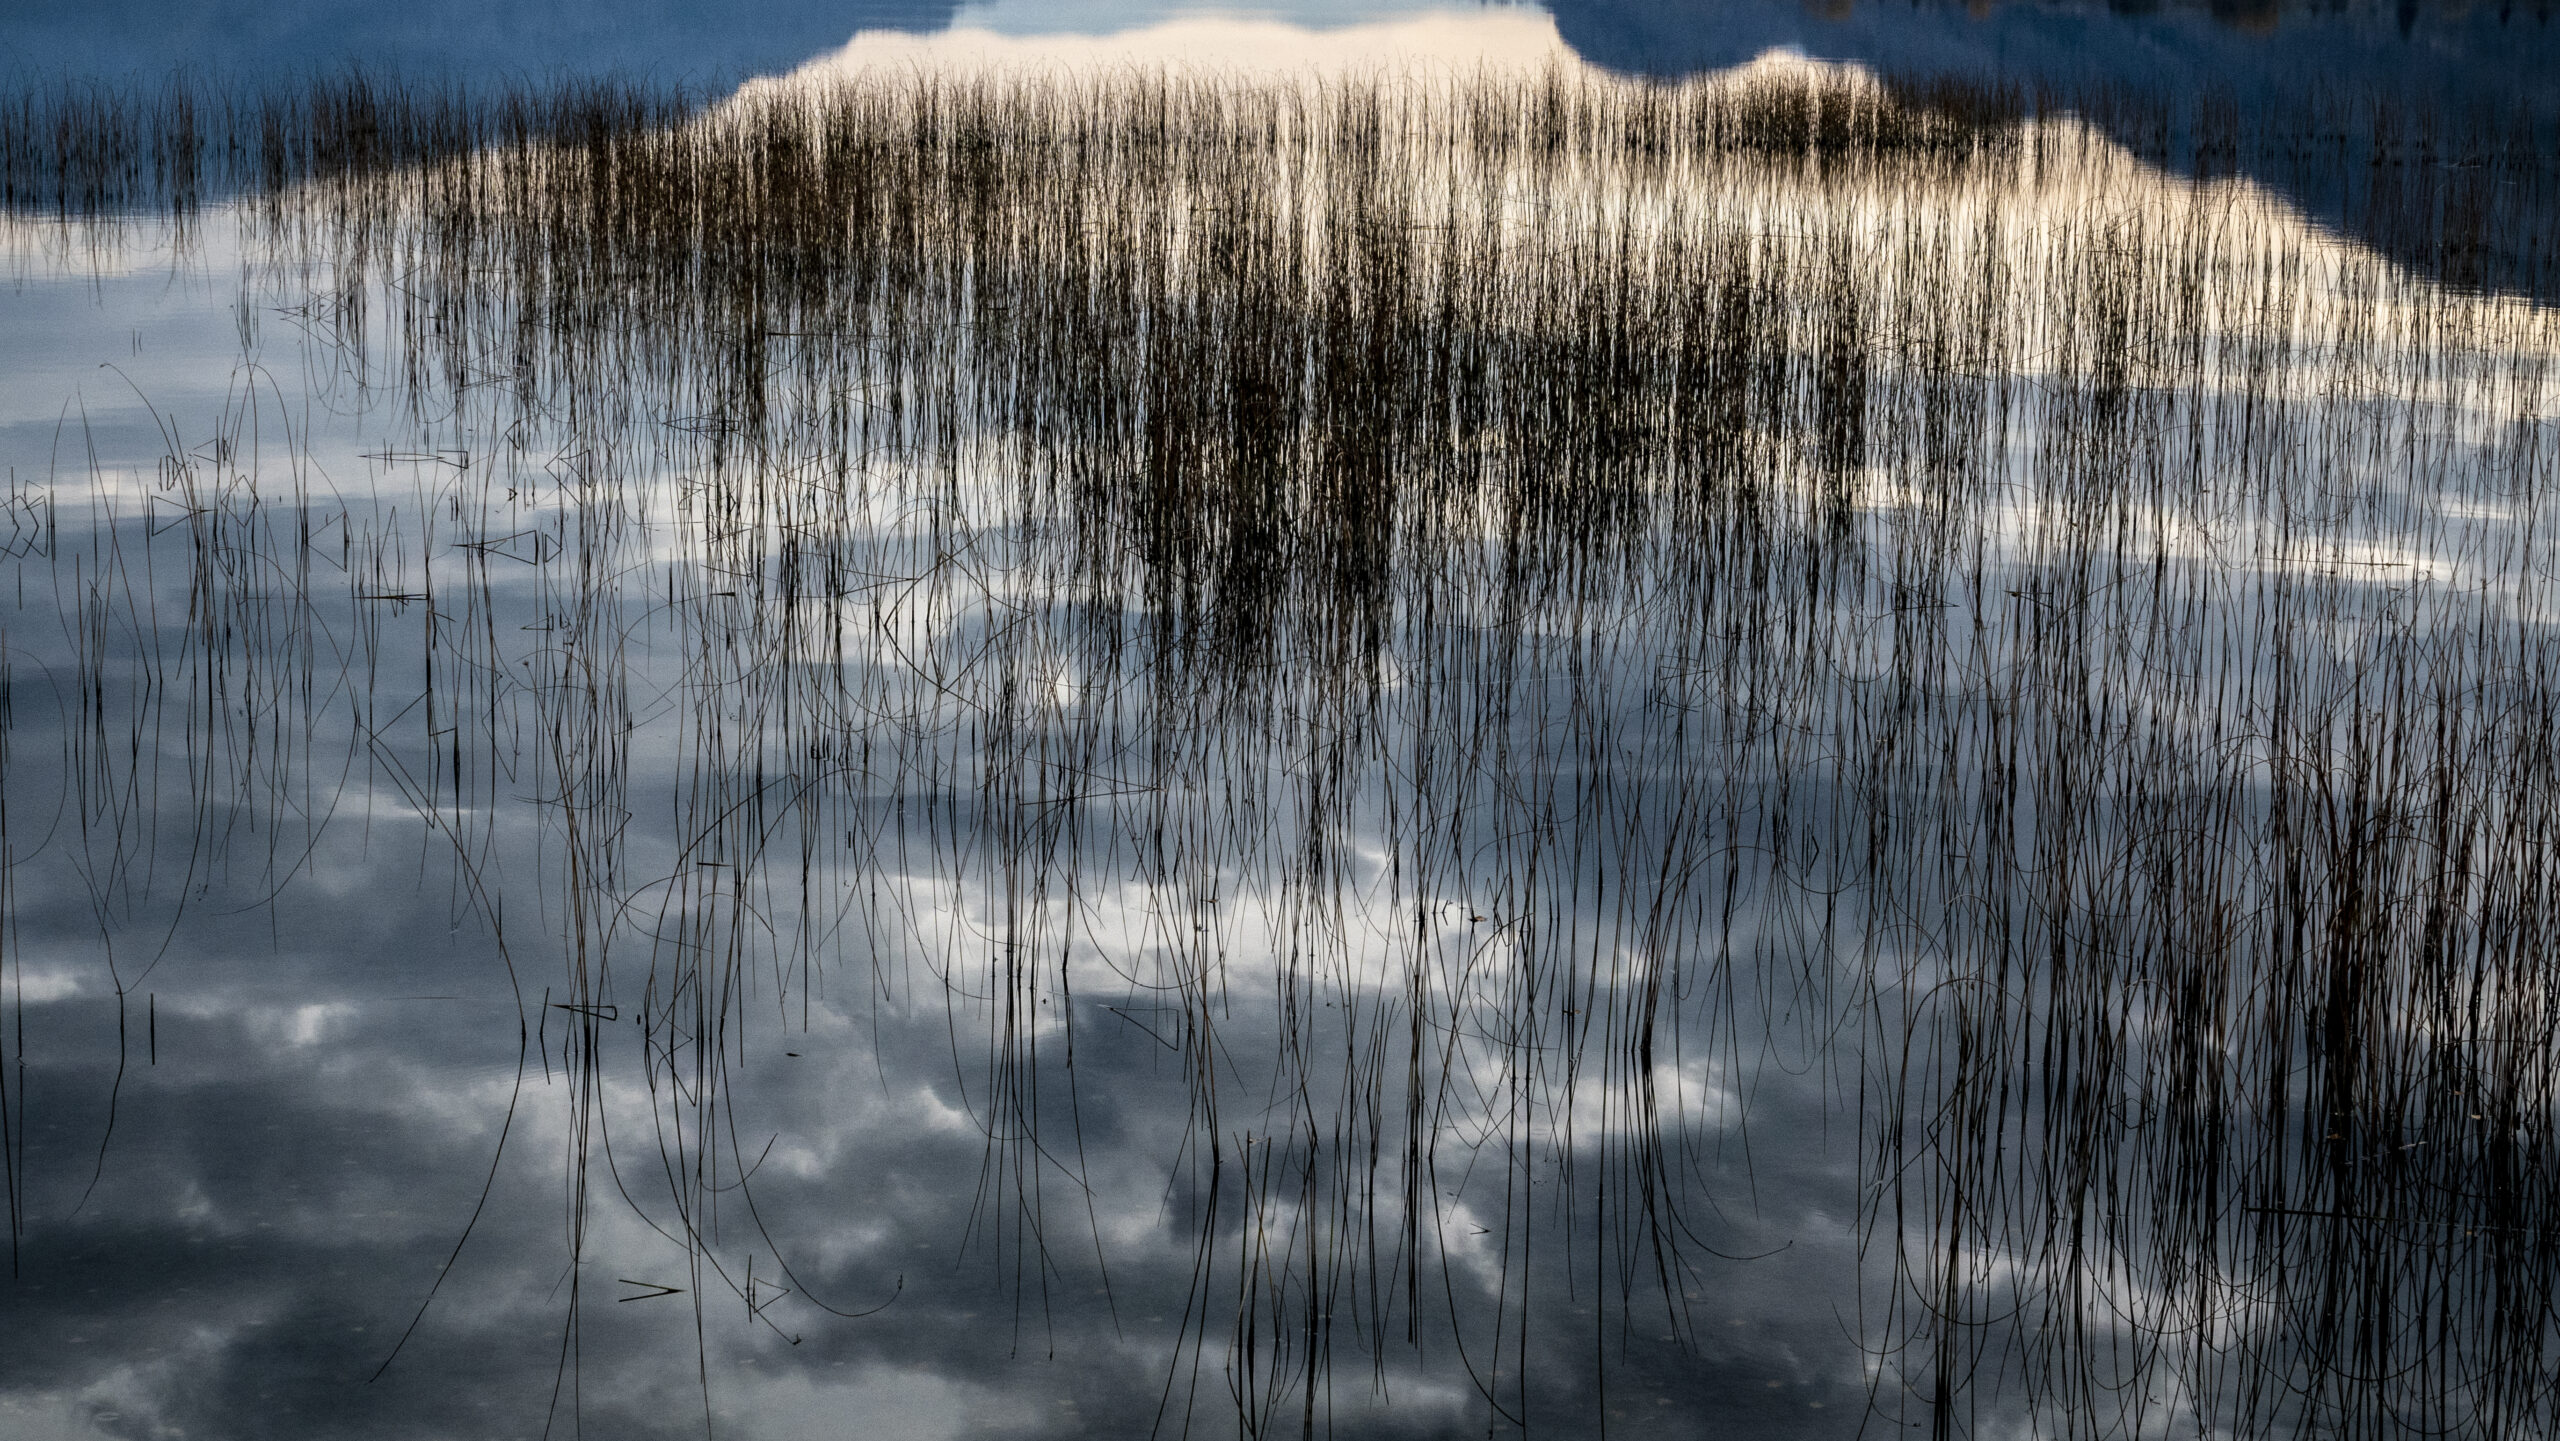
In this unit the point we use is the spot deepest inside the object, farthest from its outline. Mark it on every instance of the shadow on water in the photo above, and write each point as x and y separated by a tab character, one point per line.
1511	753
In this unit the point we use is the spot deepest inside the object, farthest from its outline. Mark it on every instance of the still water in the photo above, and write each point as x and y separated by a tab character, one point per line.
1360	722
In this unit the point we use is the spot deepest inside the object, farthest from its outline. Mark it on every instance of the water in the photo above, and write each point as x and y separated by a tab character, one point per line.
1481	756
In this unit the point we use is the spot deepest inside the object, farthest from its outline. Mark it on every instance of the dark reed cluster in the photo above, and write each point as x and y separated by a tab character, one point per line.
1476	635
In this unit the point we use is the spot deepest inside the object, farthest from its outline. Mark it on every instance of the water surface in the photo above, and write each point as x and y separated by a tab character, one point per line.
1381	735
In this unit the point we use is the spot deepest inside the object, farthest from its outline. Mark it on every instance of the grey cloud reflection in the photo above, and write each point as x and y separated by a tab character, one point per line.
290	1174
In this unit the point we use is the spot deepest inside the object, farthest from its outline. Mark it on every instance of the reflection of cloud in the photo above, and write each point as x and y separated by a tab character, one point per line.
45	984
887	1401
52	1416
1519	40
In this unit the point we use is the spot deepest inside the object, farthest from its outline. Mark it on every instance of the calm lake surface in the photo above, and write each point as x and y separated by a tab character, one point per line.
1354	721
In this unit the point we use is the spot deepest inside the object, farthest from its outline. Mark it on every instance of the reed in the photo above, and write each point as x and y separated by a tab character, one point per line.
1450	632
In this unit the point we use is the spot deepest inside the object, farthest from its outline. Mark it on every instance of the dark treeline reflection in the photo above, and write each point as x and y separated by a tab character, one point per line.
1446	720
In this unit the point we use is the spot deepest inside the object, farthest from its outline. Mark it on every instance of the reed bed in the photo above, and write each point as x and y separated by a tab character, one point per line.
1457	628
